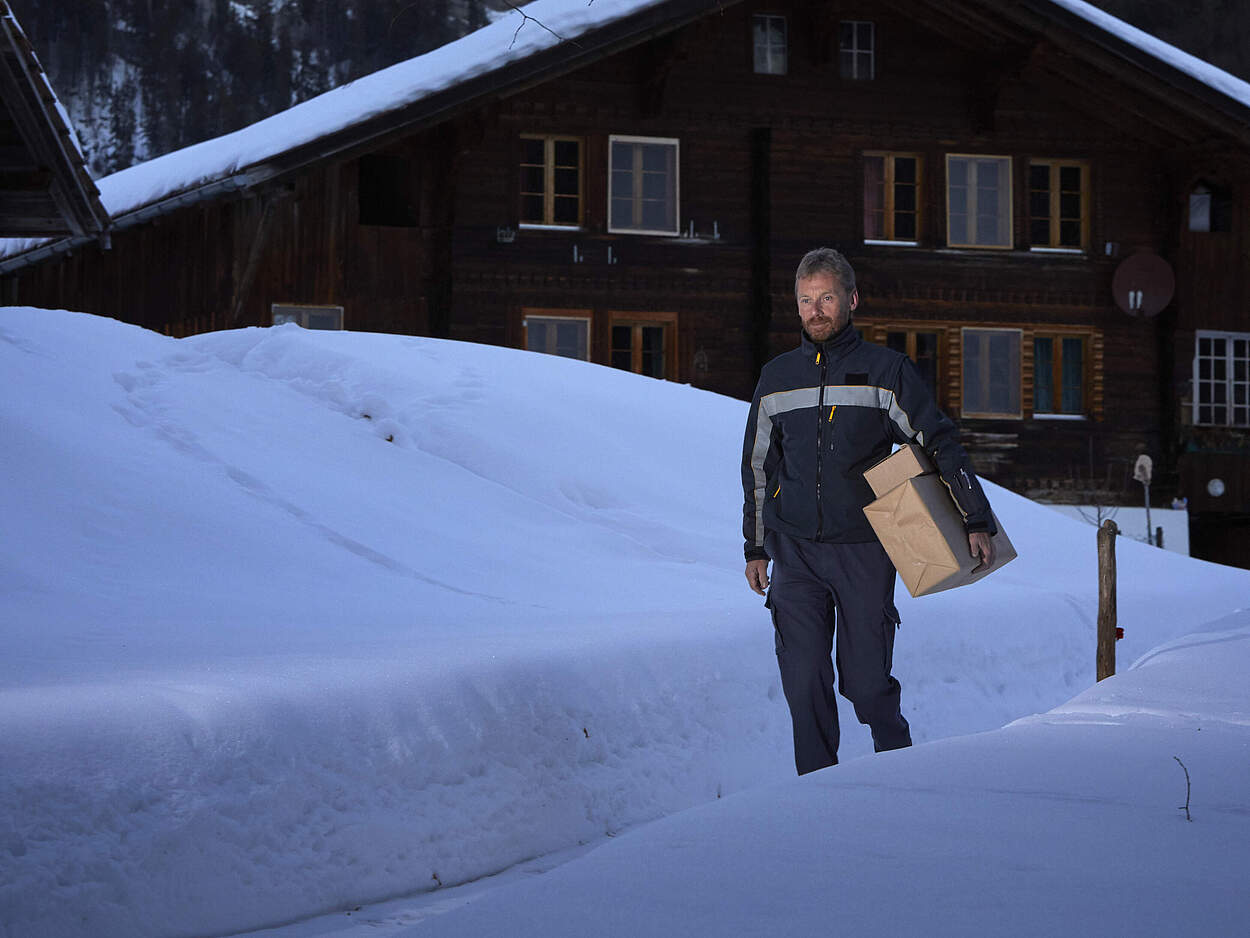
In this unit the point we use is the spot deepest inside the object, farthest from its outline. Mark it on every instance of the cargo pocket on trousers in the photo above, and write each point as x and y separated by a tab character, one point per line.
889	627
778	641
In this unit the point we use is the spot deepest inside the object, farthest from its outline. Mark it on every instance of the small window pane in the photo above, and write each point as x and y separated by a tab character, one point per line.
533	179
566	153
1043	371
532	151
1070	178
622	347
564	210
905	227
1070	234
1200	211
1073	367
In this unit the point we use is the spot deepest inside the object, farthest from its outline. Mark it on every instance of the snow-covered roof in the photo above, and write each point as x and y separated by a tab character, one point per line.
46	133
238	159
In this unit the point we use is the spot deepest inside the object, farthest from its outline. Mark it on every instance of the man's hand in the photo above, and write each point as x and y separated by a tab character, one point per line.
981	547
757	575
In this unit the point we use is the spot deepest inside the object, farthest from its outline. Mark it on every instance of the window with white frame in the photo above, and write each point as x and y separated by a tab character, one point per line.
857	42
310	317
1222	379
978	201
991	373
769	32
565	335
643	196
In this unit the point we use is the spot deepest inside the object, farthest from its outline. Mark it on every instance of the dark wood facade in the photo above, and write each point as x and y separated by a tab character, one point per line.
421	230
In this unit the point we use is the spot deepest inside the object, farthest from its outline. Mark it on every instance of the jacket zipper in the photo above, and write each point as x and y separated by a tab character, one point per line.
820	442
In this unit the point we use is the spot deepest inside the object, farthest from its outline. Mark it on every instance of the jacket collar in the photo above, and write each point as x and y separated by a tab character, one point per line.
836	345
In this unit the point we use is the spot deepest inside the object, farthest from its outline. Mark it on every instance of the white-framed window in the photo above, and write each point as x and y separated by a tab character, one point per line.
308	316
551	181
857	41
644	190
565	333
1222	379
769	33
978	201
1210	208
991	373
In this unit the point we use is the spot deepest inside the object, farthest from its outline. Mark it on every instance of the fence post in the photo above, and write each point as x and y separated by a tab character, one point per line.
1107	631
1158	537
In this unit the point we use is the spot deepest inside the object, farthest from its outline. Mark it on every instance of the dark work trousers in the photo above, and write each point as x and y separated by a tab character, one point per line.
811	580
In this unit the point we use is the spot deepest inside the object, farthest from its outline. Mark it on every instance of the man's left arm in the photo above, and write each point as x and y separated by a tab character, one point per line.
920	421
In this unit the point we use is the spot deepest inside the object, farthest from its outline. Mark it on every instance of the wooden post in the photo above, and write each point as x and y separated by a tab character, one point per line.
1106	599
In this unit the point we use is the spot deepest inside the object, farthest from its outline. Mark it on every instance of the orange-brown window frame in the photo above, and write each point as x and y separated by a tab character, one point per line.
549	168
1055	216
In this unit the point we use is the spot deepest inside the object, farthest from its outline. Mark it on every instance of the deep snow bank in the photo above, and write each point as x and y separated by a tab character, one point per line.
294	620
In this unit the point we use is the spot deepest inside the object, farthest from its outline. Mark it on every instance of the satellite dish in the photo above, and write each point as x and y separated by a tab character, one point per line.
1143	284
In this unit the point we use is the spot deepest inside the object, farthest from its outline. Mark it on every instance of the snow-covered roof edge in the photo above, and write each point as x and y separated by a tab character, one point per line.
1214	77
67	153
238	159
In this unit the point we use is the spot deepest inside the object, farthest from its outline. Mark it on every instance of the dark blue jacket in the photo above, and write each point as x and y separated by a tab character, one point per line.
822	414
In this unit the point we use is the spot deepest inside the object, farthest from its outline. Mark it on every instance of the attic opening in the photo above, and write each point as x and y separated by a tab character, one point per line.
1210	207
387	191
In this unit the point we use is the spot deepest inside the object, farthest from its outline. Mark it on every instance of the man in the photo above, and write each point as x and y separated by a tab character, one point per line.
822	414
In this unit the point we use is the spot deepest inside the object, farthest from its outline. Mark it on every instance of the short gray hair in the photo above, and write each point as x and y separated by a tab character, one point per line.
826	261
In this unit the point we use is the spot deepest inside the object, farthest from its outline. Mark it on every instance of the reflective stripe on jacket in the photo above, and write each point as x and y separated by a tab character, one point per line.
822	414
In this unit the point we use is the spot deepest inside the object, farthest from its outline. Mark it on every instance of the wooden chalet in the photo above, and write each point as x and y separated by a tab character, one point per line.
638	193
45	189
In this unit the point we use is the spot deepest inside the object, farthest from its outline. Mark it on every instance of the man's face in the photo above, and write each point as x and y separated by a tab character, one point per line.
824	306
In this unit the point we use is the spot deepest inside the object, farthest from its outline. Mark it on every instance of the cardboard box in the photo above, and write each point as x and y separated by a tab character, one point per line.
922	529
898	467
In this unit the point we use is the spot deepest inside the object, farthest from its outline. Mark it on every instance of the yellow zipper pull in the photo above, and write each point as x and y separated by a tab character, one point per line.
778	490
832	408
818	356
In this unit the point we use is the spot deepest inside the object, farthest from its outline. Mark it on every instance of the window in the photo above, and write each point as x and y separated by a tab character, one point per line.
386	191
923	347
1058	374
770	44
564	335
551	181
310	317
1210	208
856	44
991	373
891	197
1058	206
644	190
645	343
978	201
1222	379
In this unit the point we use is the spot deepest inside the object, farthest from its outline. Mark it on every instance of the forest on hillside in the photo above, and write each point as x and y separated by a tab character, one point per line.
143	77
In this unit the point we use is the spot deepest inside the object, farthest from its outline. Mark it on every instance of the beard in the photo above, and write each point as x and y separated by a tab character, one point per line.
820	328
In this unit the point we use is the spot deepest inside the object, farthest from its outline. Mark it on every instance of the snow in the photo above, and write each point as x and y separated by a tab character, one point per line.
1132	521
511	37
299	621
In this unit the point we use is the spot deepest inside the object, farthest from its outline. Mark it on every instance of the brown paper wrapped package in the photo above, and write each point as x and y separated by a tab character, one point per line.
922	529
